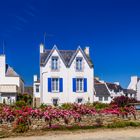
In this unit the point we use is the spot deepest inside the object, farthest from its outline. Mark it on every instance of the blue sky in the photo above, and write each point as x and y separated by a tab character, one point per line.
110	27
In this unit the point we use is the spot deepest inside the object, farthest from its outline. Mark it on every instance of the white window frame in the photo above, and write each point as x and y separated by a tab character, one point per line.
79	64
54	65
79	85
55	87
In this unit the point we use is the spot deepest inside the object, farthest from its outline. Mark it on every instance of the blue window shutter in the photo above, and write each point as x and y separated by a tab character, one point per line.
49	85
85	84
61	84
74	84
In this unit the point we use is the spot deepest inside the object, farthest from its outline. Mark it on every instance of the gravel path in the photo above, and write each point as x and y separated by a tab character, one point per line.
117	134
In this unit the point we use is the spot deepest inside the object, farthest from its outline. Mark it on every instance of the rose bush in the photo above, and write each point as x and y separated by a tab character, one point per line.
23	117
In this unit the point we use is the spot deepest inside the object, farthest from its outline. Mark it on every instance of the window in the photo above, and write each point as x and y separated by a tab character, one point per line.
79	64
55	85
37	88
100	98
106	98
54	63
79	85
79	100
55	102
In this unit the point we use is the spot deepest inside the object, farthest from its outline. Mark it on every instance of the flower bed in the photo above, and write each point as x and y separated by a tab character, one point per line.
25	118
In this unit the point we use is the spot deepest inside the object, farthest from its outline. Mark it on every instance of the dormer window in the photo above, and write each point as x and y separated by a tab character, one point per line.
79	64
54	65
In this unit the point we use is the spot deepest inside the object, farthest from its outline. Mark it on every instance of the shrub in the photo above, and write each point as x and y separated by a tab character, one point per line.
122	101
99	105
67	106
20	104
121	124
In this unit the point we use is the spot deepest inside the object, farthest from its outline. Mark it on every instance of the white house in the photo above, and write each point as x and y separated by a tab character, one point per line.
135	86
36	91
10	82
105	92
66	76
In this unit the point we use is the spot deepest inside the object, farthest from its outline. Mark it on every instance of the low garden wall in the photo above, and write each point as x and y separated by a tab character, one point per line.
26	118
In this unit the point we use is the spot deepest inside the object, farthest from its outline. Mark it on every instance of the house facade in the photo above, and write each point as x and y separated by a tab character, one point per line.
134	86
105	92
10	82
66	76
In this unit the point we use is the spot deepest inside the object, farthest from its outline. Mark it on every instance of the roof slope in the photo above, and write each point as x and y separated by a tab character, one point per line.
129	91
101	90
10	72
115	87
67	56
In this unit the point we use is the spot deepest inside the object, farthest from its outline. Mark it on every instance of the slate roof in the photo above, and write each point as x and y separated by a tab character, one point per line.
67	56
96	81
129	91
115	87
101	90
10	71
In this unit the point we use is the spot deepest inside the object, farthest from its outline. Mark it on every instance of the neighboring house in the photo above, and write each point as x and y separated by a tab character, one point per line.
115	89
36	92
10	82
105	92
66	76
134	85
102	93
130	93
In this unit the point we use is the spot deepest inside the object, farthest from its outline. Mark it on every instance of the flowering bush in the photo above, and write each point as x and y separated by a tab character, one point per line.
23	117
122	101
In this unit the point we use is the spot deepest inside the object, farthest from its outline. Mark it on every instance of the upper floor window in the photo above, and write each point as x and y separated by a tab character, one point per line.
55	84
37	88
79	84
79	63
54	64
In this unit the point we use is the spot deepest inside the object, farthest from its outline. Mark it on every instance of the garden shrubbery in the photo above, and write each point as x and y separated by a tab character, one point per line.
67	115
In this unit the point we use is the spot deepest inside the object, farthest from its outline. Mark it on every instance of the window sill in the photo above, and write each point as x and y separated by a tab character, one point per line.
80	92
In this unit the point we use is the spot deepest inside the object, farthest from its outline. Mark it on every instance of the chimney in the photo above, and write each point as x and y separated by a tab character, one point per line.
86	50
117	83
2	65
35	78
41	48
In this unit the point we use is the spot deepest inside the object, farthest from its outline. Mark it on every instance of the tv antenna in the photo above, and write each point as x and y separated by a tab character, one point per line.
3	49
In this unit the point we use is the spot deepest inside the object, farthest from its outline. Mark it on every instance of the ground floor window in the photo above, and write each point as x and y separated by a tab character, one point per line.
106	98
55	102
79	100
100	98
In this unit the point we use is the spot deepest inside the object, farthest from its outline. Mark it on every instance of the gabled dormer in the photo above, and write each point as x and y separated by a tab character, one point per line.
67	56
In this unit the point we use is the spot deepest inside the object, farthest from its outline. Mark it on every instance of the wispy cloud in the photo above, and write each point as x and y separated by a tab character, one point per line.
22	19
30	13
18	28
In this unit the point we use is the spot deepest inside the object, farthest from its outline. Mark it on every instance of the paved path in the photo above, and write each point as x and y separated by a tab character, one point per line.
119	134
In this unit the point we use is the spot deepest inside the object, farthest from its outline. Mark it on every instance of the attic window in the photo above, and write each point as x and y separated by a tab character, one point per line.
54	64
79	63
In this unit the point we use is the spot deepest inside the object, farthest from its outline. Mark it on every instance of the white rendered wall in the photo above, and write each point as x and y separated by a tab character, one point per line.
36	94
133	83
138	91
67	96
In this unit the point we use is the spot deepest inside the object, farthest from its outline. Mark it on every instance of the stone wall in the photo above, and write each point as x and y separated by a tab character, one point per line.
86	121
